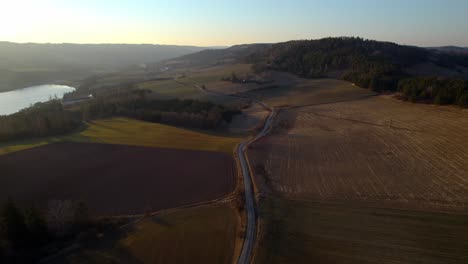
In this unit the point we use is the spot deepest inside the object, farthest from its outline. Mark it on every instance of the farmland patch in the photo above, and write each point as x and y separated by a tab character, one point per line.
115	179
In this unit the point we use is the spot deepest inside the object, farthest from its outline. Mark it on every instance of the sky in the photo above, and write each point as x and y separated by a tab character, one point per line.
225	23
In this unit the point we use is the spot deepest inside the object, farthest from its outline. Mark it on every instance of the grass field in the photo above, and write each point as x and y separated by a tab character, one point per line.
307	232
139	133
134	132
196	235
9	147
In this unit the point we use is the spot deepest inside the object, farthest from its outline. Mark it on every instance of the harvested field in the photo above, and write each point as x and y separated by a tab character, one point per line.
376	151
115	179
307	232
196	235
294	91
371	180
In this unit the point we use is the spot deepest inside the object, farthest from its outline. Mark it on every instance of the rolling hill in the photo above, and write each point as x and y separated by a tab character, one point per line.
368	63
29	64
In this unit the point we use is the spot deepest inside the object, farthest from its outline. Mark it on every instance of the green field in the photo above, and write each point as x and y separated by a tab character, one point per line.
195	235
138	133
309	232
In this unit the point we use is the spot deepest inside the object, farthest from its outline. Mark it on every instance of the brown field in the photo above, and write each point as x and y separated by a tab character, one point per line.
115	179
371	150
195	235
309	232
288	90
364	180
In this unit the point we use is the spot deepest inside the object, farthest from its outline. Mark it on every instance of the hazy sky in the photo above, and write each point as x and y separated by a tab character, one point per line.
221	22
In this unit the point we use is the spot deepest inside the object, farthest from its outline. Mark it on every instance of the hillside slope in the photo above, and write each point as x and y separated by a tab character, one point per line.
370	64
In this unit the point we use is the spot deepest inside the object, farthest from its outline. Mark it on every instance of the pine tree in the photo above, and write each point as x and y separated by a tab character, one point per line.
37	227
15	227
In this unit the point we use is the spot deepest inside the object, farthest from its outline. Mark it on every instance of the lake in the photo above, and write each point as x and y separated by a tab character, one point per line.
13	101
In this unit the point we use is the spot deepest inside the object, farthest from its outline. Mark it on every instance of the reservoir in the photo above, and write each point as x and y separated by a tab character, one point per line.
13	101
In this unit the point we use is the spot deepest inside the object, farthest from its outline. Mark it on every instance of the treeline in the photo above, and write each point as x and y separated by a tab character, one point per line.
51	118
369	64
134	104
434	90
26	236
42	119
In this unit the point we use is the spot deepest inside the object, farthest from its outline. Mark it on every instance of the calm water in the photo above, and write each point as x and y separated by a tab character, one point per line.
13	101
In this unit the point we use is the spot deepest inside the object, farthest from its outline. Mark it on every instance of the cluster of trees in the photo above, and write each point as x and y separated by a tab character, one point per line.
435	90
369	64
20	231
26	236
42	119
51	118
134	104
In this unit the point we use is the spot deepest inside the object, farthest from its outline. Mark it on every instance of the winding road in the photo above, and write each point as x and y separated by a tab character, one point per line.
250	205
251	227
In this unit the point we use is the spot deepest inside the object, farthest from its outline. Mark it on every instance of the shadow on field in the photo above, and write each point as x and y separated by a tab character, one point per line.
314	232
160	221
106	249
25	144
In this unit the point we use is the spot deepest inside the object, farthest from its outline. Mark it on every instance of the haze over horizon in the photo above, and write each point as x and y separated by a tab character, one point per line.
227	23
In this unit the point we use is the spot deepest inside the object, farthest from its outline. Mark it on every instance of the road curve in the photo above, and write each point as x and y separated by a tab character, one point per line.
251	227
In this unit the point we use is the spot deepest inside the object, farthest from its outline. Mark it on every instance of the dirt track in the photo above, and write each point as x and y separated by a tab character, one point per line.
115	179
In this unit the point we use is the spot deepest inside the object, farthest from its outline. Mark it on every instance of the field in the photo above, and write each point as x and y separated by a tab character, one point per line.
308	232
375	150
293	91
115	179
196	235
172	89
215	74
137	133
364	180
249	120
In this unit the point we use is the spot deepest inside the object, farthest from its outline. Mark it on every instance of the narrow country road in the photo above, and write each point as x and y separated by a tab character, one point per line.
251	227
250	206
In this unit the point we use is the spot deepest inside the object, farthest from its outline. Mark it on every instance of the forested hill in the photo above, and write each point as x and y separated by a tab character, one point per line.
368	63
